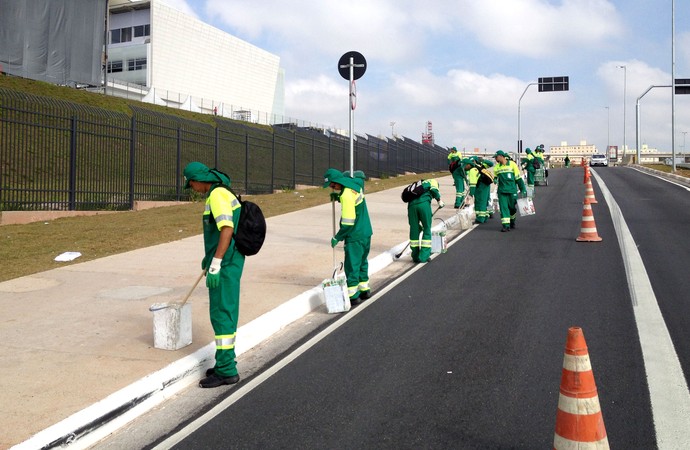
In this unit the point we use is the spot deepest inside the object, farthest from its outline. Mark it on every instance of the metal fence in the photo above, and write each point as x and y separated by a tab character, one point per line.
59	155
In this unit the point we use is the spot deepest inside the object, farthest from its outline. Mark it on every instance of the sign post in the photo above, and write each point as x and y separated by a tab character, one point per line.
352	66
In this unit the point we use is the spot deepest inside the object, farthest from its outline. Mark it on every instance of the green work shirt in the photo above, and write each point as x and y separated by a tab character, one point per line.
508	178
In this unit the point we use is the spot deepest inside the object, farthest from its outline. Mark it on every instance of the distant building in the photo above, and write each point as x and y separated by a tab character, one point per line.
57	41
160	55
557	153
647	155
143	50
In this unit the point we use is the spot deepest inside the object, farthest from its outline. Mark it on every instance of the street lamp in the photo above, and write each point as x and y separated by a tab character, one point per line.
393	129
625	88
608	131
638	143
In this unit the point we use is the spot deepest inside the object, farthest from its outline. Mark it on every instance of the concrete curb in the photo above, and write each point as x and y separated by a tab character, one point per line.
90	425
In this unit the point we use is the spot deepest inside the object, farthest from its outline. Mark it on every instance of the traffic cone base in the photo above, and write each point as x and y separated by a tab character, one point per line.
579	422
588	228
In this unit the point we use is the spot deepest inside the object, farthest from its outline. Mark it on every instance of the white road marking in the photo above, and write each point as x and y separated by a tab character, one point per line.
245	389
662	179
668	390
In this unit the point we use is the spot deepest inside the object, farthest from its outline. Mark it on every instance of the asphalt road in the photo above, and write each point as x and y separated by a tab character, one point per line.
467	350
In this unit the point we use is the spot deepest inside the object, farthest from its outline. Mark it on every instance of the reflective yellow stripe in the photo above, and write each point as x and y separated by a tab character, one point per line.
348	202
414	243
426	243
225	341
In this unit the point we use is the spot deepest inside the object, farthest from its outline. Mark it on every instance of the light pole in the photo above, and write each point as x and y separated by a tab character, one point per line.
608	131
393	129
684	133
519	149
625	88
638	143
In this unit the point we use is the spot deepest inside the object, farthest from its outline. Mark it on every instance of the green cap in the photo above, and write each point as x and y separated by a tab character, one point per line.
196	171
500	153
330	176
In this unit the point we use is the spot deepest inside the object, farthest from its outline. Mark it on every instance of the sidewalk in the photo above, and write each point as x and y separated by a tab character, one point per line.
78	361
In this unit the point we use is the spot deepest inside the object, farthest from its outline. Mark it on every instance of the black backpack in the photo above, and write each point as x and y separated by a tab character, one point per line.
413	191
251	228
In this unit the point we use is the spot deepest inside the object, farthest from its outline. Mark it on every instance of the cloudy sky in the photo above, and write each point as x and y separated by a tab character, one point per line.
464	64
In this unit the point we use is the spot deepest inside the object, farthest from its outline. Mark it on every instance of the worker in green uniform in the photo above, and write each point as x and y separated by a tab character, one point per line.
419	217
457	169
454	153
482	189
507	177
223	264
472	176
539	154
355	230
567	161
528	165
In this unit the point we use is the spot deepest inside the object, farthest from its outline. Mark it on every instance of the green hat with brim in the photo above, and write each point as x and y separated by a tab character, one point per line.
196	171
356	184
330	176
359	178
500	153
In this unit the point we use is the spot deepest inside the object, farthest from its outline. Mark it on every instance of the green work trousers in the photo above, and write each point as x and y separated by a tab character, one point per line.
357	266
481	201
419	218
224	311
507	204
459	187
530	177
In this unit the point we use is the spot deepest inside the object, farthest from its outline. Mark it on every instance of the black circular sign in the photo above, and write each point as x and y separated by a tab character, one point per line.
359	62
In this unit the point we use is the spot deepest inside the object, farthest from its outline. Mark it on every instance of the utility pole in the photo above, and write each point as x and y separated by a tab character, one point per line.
625	88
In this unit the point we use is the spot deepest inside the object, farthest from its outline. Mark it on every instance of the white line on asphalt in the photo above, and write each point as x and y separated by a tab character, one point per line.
668	390
663	179
256	381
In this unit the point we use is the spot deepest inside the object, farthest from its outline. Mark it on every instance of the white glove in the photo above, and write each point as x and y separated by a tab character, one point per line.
441	204
215	266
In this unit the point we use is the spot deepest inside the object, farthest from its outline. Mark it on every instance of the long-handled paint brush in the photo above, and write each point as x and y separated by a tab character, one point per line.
159	306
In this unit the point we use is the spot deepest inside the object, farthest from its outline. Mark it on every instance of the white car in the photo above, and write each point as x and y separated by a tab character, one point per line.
599	160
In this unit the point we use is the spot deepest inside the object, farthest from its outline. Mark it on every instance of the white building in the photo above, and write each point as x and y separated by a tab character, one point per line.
575	152
160	55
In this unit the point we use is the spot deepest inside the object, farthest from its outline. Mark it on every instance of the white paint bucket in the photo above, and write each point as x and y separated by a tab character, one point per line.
172	326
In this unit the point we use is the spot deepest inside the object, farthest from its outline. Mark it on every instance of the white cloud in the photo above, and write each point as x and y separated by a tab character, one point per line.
537	28
464	64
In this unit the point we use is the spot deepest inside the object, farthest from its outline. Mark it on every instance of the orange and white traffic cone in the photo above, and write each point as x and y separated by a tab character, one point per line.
589	192
579	422
588	228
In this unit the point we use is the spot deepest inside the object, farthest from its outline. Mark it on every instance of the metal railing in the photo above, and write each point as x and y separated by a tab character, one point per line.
59	155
